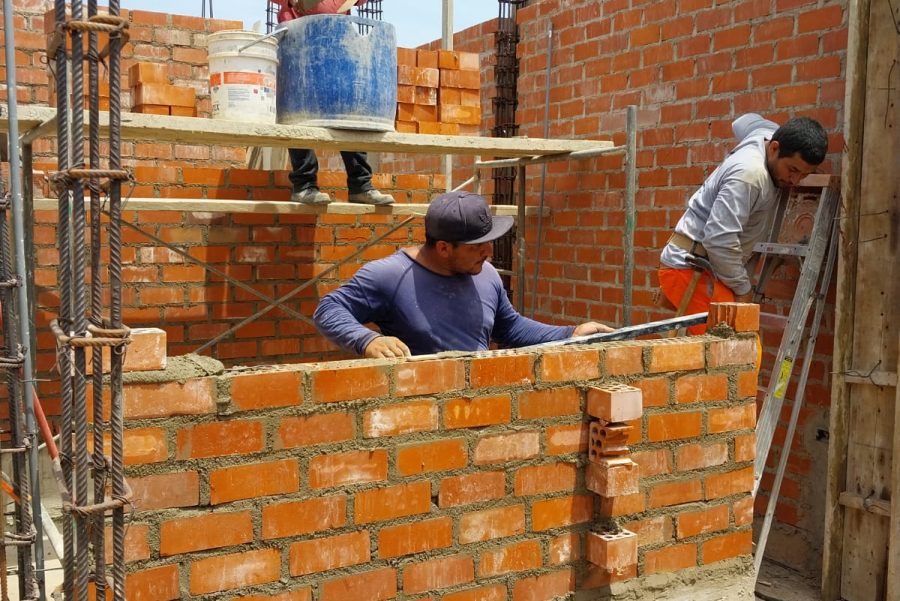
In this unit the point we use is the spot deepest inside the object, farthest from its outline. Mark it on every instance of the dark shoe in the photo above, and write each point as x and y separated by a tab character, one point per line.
310	196
371	197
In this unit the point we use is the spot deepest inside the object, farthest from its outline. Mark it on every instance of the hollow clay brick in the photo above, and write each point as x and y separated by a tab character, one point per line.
614	552
612	476
615	402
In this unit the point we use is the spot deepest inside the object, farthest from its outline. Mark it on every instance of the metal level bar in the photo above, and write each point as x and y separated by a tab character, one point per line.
18	226
549	158
628	332
630	191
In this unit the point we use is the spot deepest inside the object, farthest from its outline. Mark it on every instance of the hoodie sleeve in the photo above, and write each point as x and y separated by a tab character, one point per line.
721	234
342	312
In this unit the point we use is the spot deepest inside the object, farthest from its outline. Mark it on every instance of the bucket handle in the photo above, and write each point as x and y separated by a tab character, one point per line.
275	32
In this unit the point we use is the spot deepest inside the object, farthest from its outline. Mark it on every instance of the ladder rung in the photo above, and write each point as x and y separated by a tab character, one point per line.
784	250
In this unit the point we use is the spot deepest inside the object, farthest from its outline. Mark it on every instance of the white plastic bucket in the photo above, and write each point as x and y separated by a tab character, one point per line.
241	77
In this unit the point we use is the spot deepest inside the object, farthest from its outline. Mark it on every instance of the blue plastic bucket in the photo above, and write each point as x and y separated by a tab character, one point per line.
331	75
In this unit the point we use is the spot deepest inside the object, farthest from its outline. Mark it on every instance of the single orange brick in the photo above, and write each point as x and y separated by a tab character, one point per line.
469	61
744	448
392	502
238	570
623	360
400	418
729	483
428	377
469	97
623	505
406	56
406	94
349	383
457	113
160	583
678	356
674	426
562	511
238	437
570	365
653	463
449	96
204	532
670	559
148	73
565	548
516	557
612	476
253	480
501	370
480	411
543	479
693	523
728	419
615	402
552	402
330	553
727	546
692	389
448	59
496	592
699	456
314	429
679	492
294	518
553	585
615	552
507	447
375	585
416	537
427	59
350	467
438	573
499	522
440	456
471	488
427	96
733	351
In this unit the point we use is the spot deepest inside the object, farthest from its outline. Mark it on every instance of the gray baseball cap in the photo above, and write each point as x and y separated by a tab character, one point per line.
464	218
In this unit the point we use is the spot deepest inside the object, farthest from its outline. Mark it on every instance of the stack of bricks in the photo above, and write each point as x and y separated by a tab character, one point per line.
152	93
612	473
438	92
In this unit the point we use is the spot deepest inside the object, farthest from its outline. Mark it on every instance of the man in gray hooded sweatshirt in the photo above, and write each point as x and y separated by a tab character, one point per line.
728	214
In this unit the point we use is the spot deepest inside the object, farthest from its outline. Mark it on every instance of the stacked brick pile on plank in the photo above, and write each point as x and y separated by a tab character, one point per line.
438	92
152	93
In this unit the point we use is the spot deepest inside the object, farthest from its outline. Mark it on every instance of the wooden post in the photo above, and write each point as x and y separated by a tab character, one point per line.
851	176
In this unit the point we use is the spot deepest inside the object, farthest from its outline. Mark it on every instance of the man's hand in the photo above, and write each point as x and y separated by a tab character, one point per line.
386	347
744	298
592	327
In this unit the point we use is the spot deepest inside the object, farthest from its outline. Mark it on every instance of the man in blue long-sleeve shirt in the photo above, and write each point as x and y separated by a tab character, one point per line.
441	296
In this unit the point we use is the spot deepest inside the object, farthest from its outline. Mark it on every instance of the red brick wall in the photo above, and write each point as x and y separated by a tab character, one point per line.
436	477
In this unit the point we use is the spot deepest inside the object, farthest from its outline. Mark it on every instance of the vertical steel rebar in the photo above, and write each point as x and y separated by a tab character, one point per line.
31	582
117	419
98	462
63	238
79	309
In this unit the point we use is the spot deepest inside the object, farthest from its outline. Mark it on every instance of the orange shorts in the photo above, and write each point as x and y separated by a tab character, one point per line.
674	283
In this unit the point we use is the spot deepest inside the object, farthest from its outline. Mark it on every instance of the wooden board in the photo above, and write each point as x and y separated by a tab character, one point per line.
860	552
196	130
274	207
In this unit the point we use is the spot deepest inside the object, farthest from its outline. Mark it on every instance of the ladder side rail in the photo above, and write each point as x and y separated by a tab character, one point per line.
787	351
825	282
